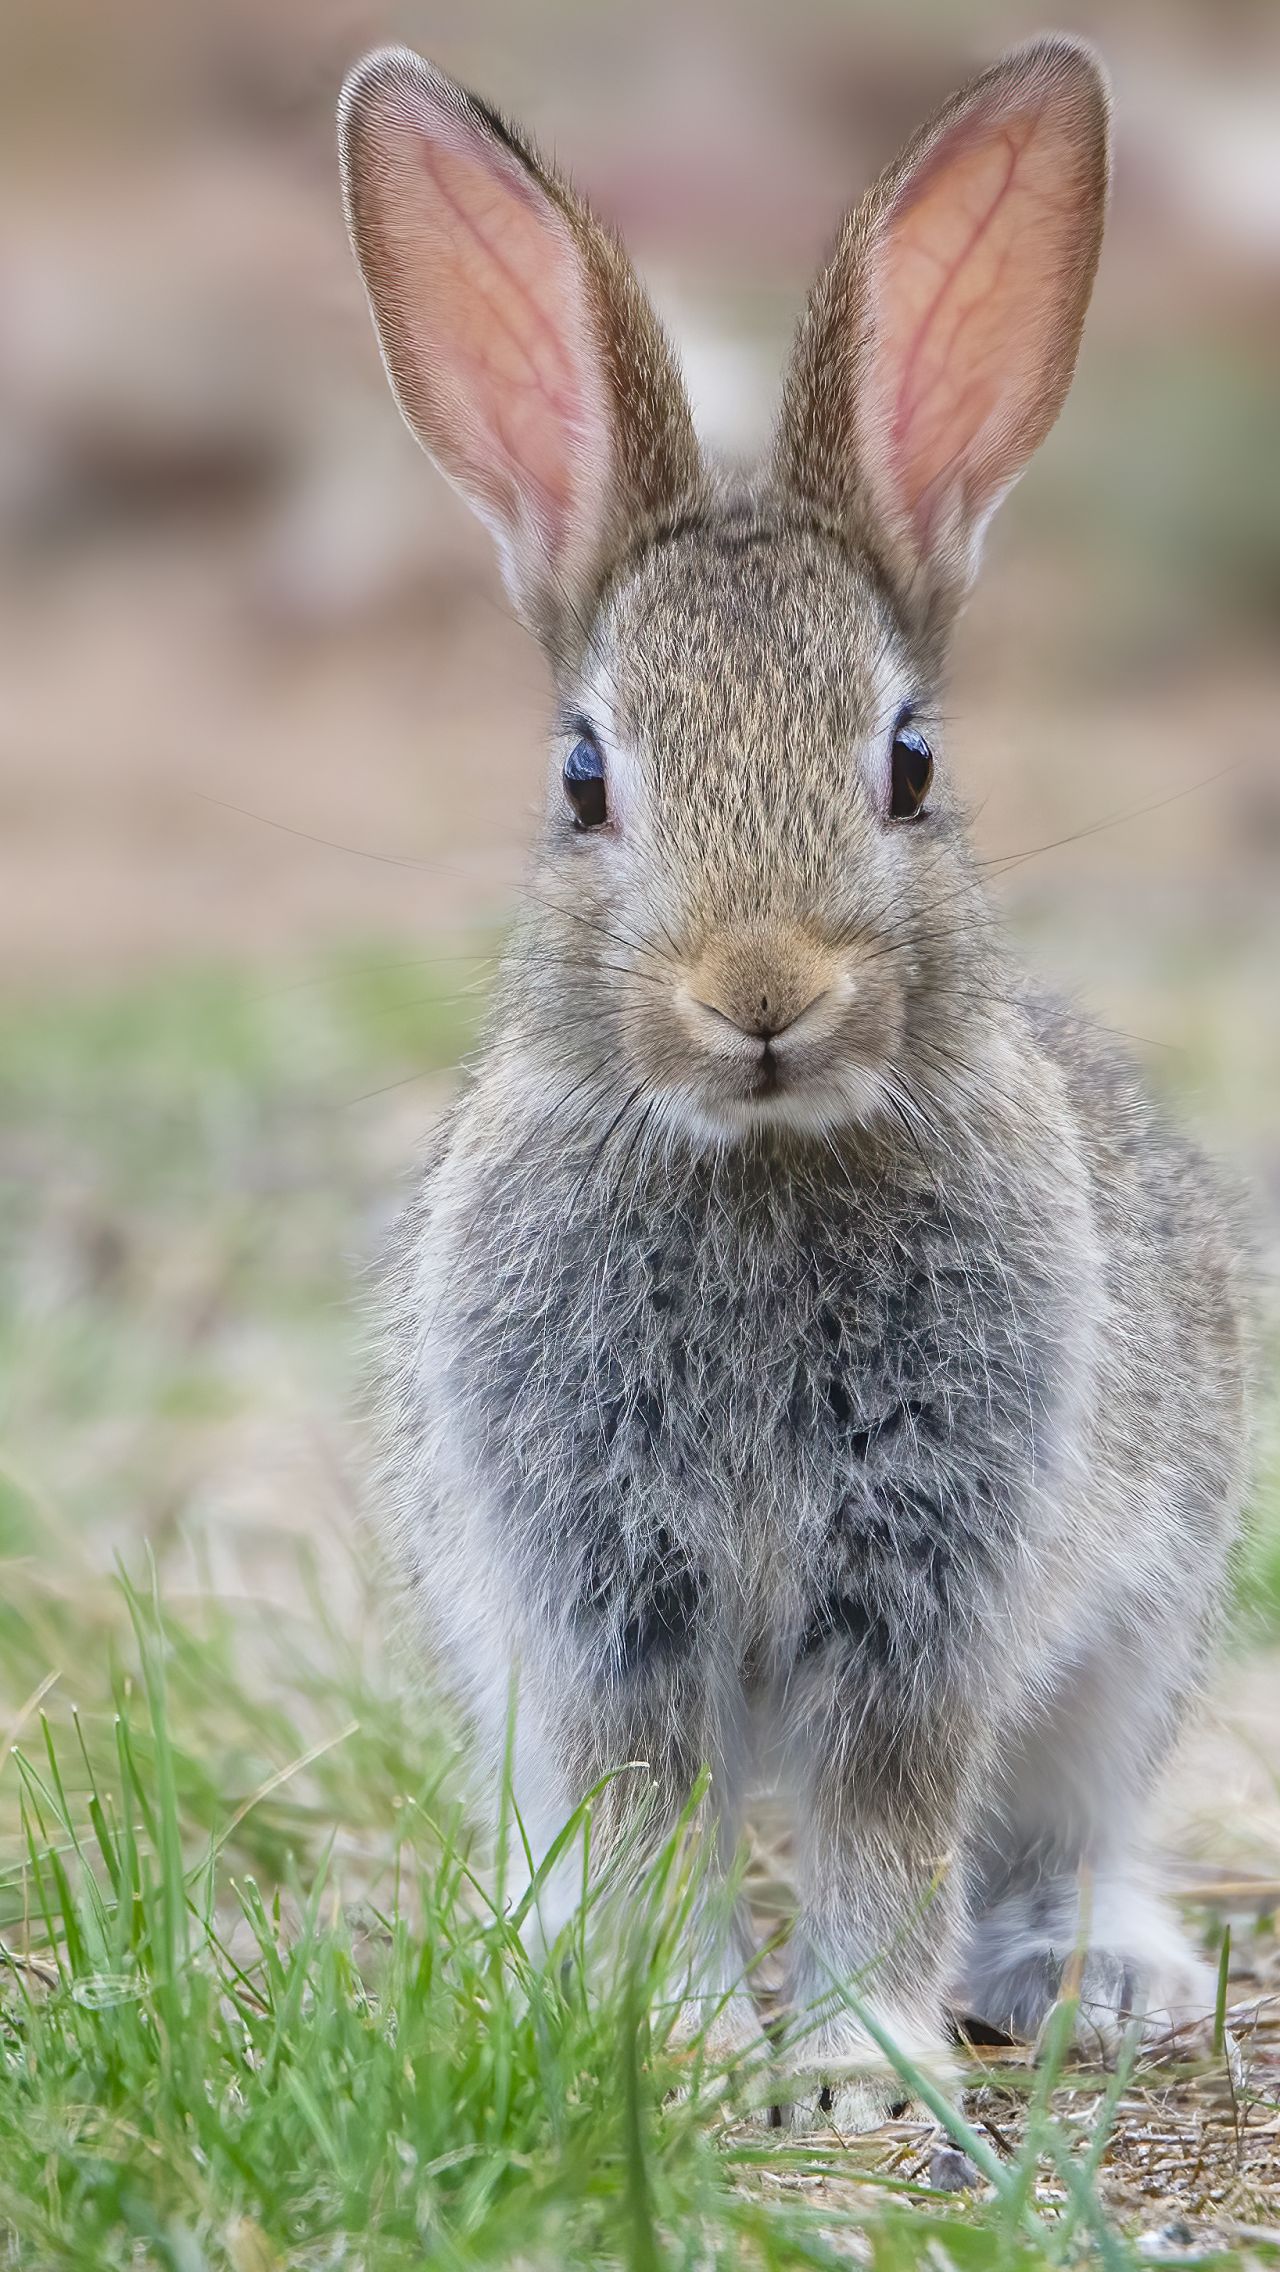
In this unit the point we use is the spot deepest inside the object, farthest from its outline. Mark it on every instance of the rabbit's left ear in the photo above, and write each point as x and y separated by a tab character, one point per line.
939	343
521	348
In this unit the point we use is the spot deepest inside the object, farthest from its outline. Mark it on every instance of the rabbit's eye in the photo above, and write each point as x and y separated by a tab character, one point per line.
911	771
584	784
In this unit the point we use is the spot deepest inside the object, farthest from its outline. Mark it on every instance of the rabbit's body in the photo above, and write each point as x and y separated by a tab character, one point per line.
866	1401
907	1460
810	1356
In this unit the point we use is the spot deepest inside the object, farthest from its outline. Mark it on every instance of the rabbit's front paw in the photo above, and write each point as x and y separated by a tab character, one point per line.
851	2108
837	2079
725	2046
724	2032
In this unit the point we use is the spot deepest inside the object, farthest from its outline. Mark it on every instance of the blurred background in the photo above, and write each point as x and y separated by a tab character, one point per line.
269	737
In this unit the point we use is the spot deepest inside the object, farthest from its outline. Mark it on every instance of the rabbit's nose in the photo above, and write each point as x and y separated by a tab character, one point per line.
758	980
756	983
768	1021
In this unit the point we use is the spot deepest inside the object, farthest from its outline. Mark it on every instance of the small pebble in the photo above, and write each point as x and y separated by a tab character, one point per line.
1174	2242
951	2171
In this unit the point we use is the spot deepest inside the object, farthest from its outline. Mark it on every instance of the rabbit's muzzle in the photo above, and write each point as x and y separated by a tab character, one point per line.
762	1033
769	1022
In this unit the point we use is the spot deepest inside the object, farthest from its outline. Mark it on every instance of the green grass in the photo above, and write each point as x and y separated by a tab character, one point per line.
258	2008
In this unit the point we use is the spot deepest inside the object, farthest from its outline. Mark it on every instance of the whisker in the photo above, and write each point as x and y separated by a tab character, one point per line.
1003	862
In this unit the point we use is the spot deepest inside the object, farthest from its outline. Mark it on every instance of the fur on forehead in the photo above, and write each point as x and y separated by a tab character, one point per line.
748	630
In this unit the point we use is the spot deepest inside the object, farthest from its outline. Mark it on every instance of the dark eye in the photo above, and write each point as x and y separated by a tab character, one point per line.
911	764
584	784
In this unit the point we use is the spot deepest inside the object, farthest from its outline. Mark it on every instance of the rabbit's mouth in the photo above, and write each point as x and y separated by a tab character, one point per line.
773	1102
803	1047
768	1077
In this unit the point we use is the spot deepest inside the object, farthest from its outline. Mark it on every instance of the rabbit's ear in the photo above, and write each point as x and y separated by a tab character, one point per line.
939	342
520	347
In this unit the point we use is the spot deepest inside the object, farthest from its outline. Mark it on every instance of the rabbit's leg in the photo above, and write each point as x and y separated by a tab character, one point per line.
636	1746
1062	1894
881	1798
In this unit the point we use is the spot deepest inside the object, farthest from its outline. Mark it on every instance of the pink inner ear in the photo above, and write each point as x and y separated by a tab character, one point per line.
974	308
479	286
494	288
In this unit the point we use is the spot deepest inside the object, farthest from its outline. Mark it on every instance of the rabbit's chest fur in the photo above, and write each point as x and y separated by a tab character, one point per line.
733	1407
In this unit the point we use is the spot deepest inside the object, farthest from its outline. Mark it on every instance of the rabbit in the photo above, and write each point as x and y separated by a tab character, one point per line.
809	1355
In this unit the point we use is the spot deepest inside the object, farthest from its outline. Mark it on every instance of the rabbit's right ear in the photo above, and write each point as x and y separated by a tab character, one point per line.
521	349
940	340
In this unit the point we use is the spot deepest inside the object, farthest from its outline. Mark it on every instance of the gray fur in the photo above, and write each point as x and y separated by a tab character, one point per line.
886	1441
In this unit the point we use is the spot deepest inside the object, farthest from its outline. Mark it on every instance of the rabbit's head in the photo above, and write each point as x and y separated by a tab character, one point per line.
753	908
